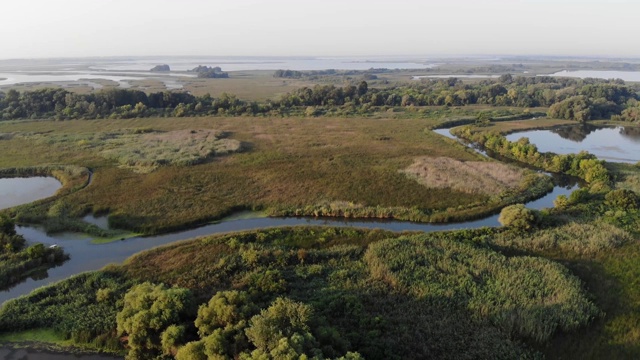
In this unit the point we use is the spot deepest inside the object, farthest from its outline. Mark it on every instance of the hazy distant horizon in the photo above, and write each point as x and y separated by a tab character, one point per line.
39	29
372	58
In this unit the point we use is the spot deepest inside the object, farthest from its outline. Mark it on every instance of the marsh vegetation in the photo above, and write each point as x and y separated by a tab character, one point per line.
557	282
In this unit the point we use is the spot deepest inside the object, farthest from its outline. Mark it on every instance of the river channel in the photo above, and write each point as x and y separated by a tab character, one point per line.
87	256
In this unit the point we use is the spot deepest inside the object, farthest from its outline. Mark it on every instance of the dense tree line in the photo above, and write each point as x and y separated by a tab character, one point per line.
314	74
574	99
582	165
208	72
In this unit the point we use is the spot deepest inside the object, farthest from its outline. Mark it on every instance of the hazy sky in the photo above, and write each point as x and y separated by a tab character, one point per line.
64	28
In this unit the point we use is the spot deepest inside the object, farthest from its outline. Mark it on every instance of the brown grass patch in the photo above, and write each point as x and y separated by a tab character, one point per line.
474	177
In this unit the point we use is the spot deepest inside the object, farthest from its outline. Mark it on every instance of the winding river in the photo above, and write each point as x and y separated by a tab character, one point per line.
86	256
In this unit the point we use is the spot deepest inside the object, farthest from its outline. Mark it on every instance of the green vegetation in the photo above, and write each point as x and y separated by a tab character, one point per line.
322	292
210	72
318	74
144	150
289	164
518	217
582	165
571	99
559	282
19	261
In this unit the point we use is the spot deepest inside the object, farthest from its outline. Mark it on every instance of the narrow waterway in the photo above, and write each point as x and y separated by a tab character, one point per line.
86	256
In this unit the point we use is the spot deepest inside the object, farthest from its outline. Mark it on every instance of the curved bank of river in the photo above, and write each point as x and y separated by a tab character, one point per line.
86	256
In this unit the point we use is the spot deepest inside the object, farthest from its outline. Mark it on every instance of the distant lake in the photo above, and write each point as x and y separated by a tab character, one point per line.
86	77
125	70
599	74
615	144
267	63
461	76
18	191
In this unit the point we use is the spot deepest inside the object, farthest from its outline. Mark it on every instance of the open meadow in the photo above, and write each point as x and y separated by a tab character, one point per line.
284	162
559	282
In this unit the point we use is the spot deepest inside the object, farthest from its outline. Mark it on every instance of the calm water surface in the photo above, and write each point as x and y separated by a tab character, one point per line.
18	191
615	144
86	256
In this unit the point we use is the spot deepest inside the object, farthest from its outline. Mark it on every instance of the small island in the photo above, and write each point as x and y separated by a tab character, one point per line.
209	72
161	68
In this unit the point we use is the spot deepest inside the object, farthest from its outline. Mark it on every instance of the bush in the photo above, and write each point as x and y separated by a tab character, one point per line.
622	199
519	217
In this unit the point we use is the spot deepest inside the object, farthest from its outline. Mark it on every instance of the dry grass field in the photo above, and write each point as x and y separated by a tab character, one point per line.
288	162
474	177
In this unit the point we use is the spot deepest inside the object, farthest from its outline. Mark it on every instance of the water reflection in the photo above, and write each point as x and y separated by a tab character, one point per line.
575	133
615	144
86	256
631	133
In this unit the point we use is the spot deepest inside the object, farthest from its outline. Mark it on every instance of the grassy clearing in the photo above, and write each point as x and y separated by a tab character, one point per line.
39	335
49	339
249	85
290	162
474	177
144	150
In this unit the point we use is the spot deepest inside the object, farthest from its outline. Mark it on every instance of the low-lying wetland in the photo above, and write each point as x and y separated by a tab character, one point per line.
472	276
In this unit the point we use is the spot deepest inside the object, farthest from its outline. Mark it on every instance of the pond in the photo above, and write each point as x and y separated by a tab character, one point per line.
18	191
615	144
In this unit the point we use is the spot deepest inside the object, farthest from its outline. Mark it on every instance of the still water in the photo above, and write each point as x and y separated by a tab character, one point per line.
615	144
18	191
86	256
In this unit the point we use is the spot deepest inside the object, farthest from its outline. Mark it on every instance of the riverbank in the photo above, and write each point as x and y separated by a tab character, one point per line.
86	256
48	344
